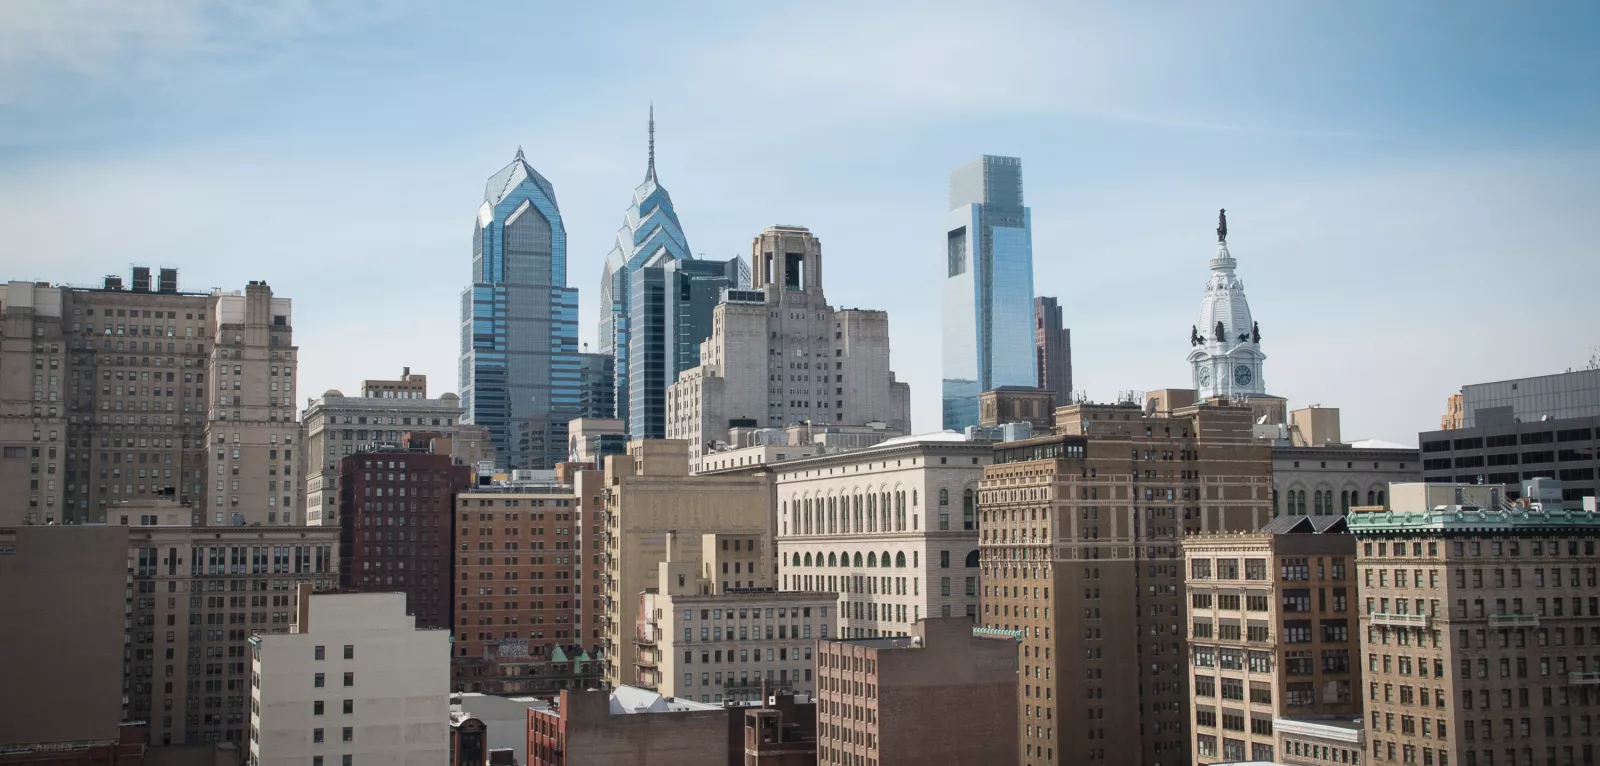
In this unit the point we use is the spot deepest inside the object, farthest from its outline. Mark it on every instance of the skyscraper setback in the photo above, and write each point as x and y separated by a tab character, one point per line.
655	303
988	289
521	373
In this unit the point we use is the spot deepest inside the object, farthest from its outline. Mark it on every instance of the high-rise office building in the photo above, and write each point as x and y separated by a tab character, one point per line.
520	370
1079	548
988	289
120	393
656	301
1479	626
1510	431
779	355
1052	348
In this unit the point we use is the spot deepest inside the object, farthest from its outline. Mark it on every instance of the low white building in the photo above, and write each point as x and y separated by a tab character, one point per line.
354	683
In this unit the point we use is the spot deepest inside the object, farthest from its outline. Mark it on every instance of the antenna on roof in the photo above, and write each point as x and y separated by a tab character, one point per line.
650	173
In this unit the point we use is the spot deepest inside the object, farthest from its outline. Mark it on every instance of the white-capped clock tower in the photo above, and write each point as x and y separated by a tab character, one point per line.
1227	356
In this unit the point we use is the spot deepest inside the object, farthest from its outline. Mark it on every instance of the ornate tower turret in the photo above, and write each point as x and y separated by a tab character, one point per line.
1227	356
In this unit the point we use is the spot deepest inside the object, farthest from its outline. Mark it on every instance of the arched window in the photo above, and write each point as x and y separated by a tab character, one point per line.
1380	498
968	520
872	559
884	558
1274	504
808	559
1300	503
1372	497
858	558
900	559
831	560
1316	502
944	497
913	498
972	560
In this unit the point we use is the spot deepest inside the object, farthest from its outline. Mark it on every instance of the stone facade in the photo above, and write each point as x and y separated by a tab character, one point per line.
1270	633
112	395
648	496
200	593
892	530
1478	625
780	355
1329	481
1079	543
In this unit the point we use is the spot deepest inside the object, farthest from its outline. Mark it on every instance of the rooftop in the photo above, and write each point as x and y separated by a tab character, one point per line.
1472	519
1300	525
632	700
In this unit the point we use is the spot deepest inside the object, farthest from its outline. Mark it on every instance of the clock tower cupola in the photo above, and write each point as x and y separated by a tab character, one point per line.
1225	354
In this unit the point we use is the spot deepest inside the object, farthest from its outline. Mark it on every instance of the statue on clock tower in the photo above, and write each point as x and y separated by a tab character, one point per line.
1230	361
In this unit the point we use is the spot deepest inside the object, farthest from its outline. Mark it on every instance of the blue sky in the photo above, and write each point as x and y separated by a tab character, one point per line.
1411	187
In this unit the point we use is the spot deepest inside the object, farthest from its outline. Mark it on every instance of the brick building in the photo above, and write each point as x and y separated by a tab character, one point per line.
1271	633
945	694
631	725
517	563
395	527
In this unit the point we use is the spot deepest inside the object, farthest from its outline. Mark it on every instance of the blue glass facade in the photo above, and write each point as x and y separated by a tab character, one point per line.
520	367
656	302
988	292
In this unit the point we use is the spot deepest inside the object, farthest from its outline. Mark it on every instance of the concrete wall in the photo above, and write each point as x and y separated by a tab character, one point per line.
61	631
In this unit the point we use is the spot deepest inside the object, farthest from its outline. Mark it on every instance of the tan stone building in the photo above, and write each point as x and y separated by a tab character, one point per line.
947	693
779	355
198	594
408	386
892	530
1079	546
1480	623
1271	618
648	495
116	394
63	593
701	636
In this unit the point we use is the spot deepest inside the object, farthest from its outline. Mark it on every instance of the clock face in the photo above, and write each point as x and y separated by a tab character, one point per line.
1205	376
1241	375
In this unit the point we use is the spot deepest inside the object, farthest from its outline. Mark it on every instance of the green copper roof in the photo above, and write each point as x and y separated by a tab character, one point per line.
998	632
1444	520
557	655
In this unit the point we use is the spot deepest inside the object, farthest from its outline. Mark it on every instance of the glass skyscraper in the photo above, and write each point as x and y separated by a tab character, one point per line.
988	289
656	302
521	373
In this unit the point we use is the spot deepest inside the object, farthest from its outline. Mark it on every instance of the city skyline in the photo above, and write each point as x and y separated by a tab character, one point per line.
1373	201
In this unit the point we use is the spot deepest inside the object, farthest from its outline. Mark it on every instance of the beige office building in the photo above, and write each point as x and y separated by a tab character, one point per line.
648	495
354	682
1480	626
779	355
115	394
891	529
337	425
199	594
1079	547
702	637
1270	633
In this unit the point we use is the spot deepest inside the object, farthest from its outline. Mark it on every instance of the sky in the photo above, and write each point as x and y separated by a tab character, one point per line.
1411	187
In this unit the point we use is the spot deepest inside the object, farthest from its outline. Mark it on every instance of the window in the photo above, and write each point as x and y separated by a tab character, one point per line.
349	651
316	707
349	734
316	681
349	679
316	735
349	707
320	651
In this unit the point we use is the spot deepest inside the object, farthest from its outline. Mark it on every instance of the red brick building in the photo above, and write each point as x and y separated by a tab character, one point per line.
396	527
516	568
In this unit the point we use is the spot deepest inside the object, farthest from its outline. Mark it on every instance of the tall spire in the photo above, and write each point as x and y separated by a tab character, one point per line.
519	153
650	174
